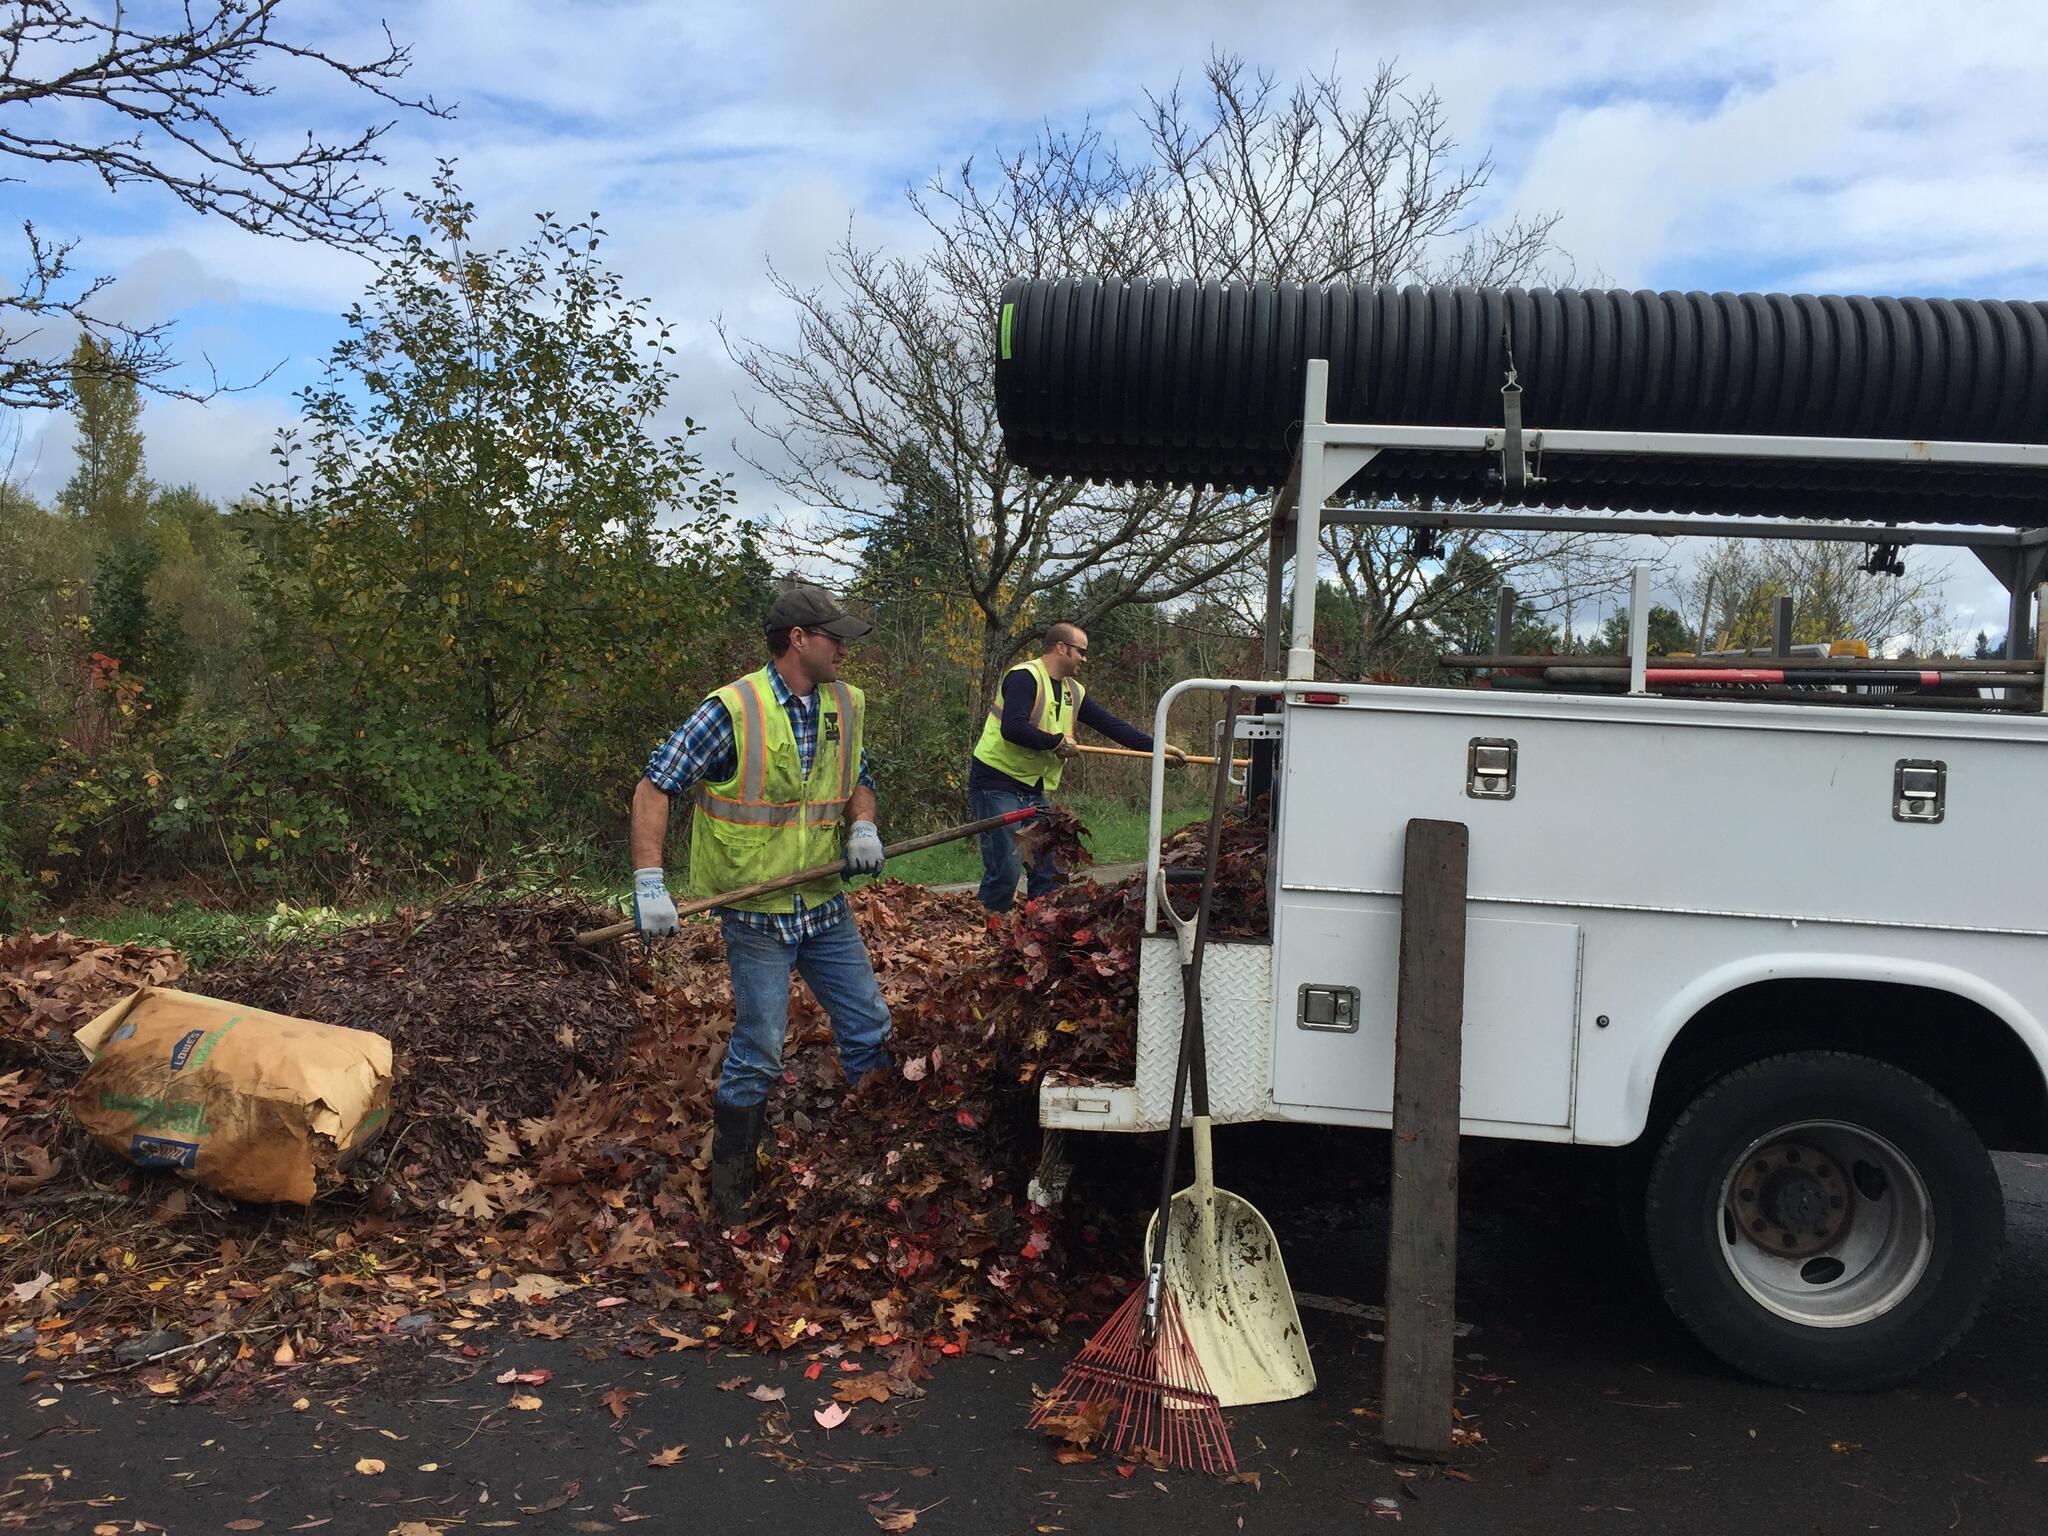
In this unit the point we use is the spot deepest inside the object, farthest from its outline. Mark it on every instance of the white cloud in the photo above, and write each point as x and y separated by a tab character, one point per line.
222	447
1848	144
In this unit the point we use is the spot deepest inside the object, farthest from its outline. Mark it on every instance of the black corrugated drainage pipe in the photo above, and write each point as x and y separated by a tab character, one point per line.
1192	383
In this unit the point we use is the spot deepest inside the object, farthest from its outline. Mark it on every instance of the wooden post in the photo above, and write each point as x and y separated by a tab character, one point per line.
1504	621
1422	1213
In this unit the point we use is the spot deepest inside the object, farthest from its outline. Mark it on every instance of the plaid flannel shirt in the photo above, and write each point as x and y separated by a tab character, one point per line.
703	748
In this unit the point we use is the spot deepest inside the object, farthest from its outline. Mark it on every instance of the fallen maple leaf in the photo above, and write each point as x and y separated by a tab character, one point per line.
29	1290
915	1068
667	1456
1083	1425
863	1389
620	1401
964	1312
1250	1479
831	1416
531	1288
893	1519
472	1199
369	1466
767	1394
525	1402
733	1383
677	1341
535	1378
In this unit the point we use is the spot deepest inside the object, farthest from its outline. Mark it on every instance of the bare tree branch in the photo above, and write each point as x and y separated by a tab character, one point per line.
159	108
894	356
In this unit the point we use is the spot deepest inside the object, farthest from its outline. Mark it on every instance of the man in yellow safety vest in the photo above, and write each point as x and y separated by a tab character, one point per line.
774	763
1024	746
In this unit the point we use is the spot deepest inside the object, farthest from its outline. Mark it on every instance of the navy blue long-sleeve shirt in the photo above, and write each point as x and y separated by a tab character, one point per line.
1020	729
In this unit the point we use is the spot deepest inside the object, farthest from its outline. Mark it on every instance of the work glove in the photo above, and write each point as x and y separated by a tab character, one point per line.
654	910
1174	755
864	849
1068	747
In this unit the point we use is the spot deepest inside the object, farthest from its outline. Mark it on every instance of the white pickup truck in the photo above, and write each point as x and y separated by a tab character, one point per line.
1797	955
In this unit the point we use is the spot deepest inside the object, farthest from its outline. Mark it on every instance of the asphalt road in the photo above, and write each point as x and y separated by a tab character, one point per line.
1596	1414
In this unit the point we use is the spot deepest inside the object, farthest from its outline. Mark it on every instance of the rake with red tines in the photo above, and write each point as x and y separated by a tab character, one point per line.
1138	1389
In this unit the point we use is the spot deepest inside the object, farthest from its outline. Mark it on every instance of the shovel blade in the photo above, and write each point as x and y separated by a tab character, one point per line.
1235	1299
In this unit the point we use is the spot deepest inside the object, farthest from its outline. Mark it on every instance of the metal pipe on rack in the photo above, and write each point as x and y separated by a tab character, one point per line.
1309	496
1638	630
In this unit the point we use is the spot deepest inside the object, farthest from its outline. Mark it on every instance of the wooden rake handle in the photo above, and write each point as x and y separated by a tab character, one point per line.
593	937
1191	760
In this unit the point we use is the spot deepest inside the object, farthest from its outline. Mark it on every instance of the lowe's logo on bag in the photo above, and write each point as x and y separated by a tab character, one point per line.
183	1049
161	1152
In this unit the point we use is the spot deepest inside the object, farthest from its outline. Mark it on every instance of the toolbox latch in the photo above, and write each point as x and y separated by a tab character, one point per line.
1919	790
1490	769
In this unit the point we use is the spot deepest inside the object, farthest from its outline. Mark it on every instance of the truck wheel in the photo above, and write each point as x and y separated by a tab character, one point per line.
1820	1219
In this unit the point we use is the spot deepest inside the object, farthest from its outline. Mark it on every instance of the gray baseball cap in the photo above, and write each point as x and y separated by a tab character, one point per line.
803	606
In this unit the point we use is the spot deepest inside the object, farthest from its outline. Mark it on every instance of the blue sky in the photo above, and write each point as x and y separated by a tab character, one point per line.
1836	146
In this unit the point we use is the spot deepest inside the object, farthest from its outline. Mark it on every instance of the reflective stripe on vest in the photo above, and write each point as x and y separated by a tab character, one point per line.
770	818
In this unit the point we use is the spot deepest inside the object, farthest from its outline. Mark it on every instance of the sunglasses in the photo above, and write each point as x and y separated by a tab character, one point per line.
1079	650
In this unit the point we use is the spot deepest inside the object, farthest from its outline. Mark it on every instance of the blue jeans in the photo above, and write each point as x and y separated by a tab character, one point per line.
834	964
1000	861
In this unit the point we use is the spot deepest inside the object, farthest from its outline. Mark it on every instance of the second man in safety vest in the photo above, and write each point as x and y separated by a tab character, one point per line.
1025	744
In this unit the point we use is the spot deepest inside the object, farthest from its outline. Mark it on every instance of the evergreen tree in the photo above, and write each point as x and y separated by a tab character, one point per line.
109	491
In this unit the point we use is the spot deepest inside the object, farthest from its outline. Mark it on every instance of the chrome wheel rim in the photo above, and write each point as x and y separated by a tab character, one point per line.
1825	1224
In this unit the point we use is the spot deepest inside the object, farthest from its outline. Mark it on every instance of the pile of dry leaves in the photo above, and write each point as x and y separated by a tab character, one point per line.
490	1010
549	1149
50	985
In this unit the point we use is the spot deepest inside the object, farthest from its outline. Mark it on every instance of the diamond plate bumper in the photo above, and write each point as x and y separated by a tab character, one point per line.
1237	1008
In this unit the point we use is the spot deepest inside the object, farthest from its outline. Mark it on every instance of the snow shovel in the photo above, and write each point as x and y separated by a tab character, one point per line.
1222	1260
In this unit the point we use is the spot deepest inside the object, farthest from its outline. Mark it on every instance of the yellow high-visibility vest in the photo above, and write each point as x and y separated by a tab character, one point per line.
770	819
1055	707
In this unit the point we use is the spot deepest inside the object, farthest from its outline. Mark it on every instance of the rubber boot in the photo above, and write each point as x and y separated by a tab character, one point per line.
735	1139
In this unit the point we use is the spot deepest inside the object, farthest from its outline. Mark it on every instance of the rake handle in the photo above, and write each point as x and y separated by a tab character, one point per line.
1192	1056
593	937
1211	848
1189	758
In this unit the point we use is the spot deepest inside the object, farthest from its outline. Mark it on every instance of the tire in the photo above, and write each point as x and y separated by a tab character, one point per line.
1821	1219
